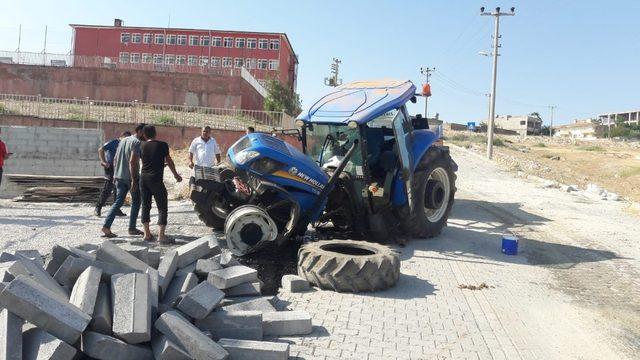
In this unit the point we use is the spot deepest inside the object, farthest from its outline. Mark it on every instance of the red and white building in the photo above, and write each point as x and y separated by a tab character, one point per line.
264	55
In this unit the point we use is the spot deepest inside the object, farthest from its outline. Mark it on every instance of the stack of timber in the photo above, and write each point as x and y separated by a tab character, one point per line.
46	188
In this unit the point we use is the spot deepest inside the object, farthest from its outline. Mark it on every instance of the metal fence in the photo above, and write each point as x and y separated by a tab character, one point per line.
135	112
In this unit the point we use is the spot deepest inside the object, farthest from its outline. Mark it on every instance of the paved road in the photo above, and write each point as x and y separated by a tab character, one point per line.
573	292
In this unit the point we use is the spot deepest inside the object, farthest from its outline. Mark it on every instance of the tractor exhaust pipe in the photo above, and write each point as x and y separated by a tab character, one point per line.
306	216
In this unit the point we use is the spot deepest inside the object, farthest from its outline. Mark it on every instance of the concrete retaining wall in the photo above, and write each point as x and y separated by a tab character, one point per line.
49	151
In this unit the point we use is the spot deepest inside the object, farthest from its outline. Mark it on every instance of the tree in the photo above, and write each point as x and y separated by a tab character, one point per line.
280	97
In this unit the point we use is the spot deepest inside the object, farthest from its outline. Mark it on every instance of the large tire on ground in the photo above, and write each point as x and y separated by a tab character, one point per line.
348	265
208	217
434	192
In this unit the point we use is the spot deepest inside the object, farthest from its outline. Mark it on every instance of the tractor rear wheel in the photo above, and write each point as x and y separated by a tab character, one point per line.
207	216
348	265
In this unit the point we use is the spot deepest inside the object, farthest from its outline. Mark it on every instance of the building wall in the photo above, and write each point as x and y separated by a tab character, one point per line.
49	151
128	85
107	42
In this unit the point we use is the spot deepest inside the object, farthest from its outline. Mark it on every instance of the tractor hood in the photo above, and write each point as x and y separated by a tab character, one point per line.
360	101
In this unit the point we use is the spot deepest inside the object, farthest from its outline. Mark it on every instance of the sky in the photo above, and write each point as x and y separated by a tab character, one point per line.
581	56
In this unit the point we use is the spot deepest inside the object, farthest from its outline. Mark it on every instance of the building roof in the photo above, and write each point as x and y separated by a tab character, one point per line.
359	101
183	29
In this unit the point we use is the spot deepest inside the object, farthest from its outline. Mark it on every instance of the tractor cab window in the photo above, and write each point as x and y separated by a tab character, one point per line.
327	145
381	157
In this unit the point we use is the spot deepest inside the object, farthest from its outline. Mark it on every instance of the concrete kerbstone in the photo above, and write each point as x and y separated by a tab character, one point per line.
27	267
40	306
258	304
167	269
163	349
205	266
200	300
10	335
131	298
40	345
102	321
246	289
192	251
112	253
85	290
245	325
251	350
104	347
294	283
184	334
232	276
180	285
286	323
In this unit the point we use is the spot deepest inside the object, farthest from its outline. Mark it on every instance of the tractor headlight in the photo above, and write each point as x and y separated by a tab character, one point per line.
299	123
352	125
266	166
243	156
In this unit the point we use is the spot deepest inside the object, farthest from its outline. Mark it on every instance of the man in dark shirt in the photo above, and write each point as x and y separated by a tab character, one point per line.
154	155
107	153
4	154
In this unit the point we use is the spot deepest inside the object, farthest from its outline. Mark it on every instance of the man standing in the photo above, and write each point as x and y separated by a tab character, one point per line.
204	148
250	130
154	155
106	153
4	154
125	172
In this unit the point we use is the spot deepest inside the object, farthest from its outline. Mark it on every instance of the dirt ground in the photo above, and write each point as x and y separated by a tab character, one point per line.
613	165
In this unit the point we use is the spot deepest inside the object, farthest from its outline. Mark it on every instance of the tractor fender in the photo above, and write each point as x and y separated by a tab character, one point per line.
422	141
295	208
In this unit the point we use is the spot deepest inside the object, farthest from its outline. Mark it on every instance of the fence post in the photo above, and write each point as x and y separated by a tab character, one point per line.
88	115
134	114
38	105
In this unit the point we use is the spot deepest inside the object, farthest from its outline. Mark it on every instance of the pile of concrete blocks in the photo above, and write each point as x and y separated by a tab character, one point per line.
120	301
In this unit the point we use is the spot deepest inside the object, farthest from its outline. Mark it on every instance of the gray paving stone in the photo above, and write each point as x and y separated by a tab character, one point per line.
102	321
154	280
191	252
104	347
153	258
205	266
180	285
27	267
85	290
131	298
232	276
59	254
167	269
200	300
294	283
191	268
40	306
245	325
257	304
112	253
184	334
286	323
40	345
251	350
246	289
140	252
72	267
33	255
163	349
10	335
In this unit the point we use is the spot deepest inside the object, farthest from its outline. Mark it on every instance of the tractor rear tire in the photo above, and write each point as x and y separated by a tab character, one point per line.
348	265
208	217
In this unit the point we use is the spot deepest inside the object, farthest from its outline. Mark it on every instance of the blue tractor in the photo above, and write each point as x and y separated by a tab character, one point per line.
366	169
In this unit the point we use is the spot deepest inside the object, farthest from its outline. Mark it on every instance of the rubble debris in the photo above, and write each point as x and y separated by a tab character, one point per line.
474	287
294	283
250	350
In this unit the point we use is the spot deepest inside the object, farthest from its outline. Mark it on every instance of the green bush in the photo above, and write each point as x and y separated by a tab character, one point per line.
165	120
498	142
591	148
540	145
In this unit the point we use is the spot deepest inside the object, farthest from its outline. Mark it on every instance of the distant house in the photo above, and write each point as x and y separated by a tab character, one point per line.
522	124
588	129
629	117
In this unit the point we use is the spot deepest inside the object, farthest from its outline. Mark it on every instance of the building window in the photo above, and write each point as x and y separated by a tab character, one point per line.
215	62
238	62
274	64
263	44
262	64
136	38
125	38
193	60
158	59
146	39
240	43
171	39
523	122
204	60
181	59
226	62
250	63
124	58
147	58
135	58
228	42
205	41
159	39
252	43
275	44
193	40
170	59
216	41
182	39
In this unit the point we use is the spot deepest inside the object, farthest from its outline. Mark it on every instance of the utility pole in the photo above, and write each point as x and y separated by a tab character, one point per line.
496	46
427	73
551	107
333	80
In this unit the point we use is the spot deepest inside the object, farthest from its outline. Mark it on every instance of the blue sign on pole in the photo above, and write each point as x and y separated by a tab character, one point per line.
471	126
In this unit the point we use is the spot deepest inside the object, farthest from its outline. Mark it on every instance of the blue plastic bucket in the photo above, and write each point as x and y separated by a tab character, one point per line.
509	245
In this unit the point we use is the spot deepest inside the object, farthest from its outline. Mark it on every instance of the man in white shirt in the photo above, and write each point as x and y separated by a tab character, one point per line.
203	150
